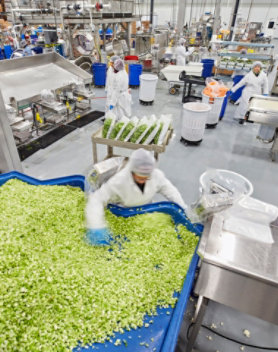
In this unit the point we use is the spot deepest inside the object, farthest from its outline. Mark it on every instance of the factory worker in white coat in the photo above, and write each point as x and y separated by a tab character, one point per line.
109	81
135	185
255	83
120	98
182	53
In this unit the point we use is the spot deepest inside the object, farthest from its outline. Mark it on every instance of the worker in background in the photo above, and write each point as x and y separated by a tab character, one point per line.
120	98
255	83
27	50
182	52
135	185
109	81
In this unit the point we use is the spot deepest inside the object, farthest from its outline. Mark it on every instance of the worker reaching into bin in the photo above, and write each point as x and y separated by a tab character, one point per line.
109	81
135	185
120	97
255	83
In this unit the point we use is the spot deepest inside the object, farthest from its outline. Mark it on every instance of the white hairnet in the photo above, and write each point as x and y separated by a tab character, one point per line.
114	58
257	63
142	162
181	41
119	65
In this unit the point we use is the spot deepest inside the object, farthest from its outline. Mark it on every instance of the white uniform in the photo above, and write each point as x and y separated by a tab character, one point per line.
181	54
253	85
122	189
109	86
120	97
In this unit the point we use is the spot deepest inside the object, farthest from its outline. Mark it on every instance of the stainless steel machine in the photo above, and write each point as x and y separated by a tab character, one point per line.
238	272
38	94
264	110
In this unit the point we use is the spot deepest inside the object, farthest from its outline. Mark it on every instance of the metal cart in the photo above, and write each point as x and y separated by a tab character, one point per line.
111	143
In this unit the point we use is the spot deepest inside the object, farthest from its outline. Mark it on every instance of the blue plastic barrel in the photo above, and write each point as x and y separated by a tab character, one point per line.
237	94
8	51
99	72
207	67
135	70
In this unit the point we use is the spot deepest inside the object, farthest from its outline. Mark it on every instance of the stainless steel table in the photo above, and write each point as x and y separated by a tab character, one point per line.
238	272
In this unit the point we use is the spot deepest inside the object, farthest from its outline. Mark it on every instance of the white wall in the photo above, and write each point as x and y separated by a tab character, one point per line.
166	10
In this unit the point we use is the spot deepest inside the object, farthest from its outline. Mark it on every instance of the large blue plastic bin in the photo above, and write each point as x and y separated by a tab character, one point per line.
207	67
8	51
135	70
165	328
99	72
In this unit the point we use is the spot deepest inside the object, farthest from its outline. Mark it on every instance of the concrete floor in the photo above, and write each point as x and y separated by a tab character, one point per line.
230	146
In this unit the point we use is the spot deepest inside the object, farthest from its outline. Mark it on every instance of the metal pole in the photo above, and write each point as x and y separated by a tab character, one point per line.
216	24
181	16
232	25
151	15
190	13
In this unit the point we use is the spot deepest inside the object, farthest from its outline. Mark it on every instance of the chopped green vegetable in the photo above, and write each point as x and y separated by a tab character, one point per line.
137	133
128	128
116	129
106	126
156	137
148	133
55	290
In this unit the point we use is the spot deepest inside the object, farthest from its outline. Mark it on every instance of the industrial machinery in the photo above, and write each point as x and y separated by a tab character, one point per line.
264	110
42	94
76	23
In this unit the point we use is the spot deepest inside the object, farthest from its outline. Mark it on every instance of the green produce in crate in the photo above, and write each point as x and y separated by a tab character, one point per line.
148	133
156	137
116	130
137	133
106	126
128	128
56	291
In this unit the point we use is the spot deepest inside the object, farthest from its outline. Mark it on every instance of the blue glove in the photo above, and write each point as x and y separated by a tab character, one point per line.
266	95
98	237
111	107
229	93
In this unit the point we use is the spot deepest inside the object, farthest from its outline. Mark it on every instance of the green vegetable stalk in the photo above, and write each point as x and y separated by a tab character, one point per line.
148	133
156	137
116	129
56	291
128	128
106	126
137	133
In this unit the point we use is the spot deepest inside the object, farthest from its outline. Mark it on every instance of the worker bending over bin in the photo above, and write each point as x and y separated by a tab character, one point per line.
120	97
135	185
255	83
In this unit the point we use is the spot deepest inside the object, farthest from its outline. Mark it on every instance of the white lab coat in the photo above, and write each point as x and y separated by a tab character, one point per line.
181	55
120	97
122	189
109	86
253	85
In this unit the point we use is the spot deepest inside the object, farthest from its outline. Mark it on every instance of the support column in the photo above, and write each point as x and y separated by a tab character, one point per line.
181	16
233	20
217	20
